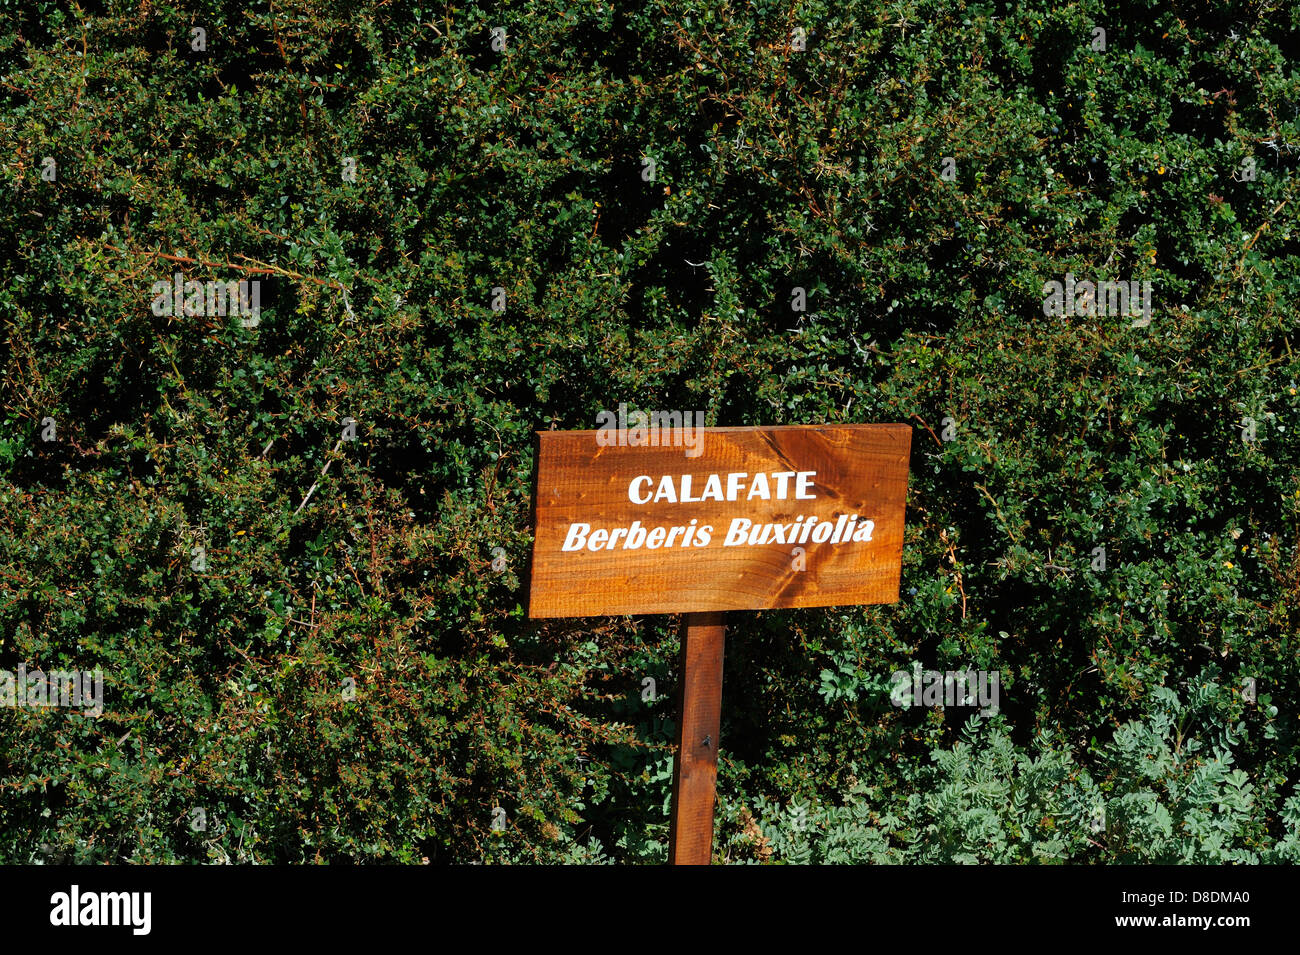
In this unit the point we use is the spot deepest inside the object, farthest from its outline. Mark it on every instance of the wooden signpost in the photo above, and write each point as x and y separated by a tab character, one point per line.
715	520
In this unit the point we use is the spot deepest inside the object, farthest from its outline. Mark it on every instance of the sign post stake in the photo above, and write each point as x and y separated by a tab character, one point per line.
695	770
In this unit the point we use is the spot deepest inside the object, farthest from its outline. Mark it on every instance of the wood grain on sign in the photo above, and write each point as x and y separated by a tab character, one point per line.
845	481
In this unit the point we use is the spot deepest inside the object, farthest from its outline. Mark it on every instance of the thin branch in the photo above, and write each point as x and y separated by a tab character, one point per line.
312	489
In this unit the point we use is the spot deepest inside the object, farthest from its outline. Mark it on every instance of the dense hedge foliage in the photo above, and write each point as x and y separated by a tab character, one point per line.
344	675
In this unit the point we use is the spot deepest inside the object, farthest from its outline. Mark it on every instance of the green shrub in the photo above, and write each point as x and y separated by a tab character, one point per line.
348	678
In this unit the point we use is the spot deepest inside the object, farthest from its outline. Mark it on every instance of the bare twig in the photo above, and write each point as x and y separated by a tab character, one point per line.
312	489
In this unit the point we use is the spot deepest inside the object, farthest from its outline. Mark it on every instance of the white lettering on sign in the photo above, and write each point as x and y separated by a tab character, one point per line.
734	486
679	491
581	536
845	529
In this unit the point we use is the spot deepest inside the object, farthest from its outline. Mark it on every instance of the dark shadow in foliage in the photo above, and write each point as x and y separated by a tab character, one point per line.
687	285
626	199
616	49
478	51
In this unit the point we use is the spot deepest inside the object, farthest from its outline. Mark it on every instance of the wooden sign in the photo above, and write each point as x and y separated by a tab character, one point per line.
737	519
703	520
